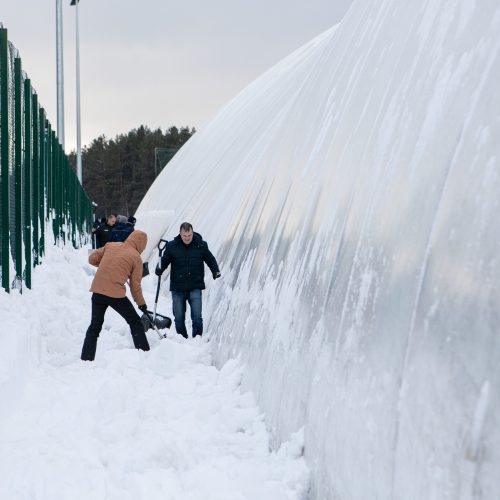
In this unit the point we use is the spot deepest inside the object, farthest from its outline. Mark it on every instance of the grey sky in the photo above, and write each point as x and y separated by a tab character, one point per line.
158	63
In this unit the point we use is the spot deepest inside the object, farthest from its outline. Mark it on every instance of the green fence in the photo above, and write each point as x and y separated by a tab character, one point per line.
38	187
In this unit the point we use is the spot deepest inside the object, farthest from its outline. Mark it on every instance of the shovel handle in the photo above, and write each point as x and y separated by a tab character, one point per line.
161	248
156	298
157	290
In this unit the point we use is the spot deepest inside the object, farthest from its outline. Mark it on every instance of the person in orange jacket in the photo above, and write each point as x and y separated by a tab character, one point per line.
116	264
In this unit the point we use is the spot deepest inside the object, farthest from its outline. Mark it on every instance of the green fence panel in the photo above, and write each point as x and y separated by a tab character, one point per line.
49	171
4	159
27	181
37	184
34	180
42	193
17	240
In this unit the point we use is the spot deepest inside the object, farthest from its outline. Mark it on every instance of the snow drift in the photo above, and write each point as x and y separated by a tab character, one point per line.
131	425
351	195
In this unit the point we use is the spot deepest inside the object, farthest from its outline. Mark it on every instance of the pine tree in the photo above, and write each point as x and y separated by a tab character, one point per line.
118	172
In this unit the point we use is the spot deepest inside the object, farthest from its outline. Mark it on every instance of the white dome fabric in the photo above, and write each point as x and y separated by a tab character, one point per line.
351	196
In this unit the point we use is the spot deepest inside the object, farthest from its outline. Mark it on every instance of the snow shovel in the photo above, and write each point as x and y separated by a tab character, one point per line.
160	322
161	248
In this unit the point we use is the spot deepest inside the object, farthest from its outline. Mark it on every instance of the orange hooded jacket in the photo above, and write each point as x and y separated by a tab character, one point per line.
118	262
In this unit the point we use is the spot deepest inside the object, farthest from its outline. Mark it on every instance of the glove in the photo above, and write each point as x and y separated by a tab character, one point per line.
158	270
216	275
143	308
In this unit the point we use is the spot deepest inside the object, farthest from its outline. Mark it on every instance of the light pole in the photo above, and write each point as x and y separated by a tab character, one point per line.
60	72
78	122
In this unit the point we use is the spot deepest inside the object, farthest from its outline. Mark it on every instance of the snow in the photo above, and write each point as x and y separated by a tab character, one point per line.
164	424
351	197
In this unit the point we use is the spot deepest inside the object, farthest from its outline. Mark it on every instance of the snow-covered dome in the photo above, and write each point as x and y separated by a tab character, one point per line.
351	196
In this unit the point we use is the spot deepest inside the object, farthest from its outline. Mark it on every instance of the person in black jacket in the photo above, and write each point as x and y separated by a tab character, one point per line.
103	232
95	226
187	254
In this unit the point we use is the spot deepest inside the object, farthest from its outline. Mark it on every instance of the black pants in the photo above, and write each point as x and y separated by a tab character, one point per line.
126	310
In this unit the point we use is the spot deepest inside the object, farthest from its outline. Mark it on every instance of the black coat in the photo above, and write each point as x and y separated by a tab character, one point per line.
188	269
103	234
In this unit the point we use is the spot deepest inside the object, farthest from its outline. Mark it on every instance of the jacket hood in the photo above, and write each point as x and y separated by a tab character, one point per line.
138	240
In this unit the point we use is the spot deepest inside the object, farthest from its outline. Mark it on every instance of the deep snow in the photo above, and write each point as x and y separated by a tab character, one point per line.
165	424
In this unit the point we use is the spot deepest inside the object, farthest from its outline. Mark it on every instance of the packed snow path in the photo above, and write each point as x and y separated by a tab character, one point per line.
165	424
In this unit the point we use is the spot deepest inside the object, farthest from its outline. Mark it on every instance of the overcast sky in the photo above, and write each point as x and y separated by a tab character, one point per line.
158	62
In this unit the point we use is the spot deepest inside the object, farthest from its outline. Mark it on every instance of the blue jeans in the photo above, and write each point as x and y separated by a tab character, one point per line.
179	300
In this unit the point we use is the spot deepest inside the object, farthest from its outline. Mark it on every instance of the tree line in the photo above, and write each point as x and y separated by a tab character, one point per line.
118	172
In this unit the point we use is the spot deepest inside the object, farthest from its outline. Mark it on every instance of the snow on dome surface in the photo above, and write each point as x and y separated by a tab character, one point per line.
351	195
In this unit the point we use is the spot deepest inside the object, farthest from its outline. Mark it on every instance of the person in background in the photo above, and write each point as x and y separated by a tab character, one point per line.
121	230
95	226
103	233
187	254
116	264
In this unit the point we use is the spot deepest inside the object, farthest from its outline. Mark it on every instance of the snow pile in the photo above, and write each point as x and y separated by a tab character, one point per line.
165	424
351	195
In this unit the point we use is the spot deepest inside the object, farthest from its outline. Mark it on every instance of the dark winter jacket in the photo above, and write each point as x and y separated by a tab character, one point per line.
103	234
188	269
121	232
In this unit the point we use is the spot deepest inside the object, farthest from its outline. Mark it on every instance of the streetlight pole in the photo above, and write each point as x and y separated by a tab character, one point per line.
60	73
78	120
